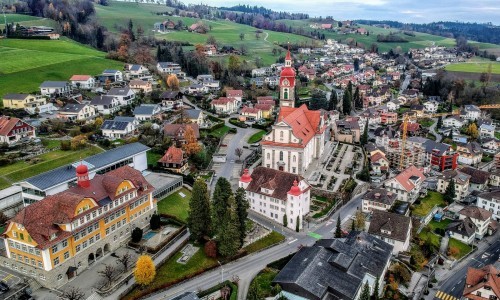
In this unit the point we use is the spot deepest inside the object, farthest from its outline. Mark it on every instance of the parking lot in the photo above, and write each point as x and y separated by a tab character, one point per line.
11	280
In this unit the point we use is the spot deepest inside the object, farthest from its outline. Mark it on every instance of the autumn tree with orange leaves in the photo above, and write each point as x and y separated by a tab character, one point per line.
191	147
173	82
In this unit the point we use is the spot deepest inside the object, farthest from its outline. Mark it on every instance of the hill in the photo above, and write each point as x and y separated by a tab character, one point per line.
475	65
26	20
27	63
117	15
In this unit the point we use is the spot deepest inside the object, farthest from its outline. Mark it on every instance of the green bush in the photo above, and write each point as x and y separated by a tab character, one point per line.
136	235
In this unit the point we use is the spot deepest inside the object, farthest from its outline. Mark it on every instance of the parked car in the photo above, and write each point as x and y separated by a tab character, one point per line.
4	288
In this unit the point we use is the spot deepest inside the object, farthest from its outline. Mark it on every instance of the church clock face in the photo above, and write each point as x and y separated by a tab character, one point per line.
286	82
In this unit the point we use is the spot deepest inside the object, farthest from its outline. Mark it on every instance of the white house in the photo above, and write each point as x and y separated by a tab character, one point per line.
490	201
235	94
55	88
297	137
147	112
486	131
112	75
469	153
197	88
463	230
105	104
479	216
393	105
168	67
460	179
471	112
392	228
378	199
225	105
77	112
82	81
430	107
119	127
454	121
13	130
134	71
407	184
277	195
125	96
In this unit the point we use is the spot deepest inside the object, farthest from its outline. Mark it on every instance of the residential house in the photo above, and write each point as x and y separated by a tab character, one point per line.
463	230
393	105
407	185
86	82
388	118
418	109
266	109
197	89
431	107
490	201
479	216
105	104
195	116
461	181
55	88
210	50
470	112
224	105
441	156
347	130
277	195
479	178
297	137
378	199
119	127
111	75
138	85
30	103
69	231
392	228
147	112
469	153
487	131
171	99
133	71
250	114
258	82
490	145
164	26
236	95
336	268
77	112
454	121
174	160
177	131
482	284
125	96
13	130
168	67
380	164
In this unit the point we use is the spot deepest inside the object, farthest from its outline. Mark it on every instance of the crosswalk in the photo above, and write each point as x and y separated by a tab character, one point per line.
444	296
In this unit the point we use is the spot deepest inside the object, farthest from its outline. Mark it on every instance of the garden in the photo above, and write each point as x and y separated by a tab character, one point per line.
424	205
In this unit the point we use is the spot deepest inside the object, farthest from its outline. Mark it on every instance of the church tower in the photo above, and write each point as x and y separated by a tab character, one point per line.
287	83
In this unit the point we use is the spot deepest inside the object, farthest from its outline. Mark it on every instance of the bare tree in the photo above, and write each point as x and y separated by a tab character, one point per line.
73	293
125	260
238	152
108	274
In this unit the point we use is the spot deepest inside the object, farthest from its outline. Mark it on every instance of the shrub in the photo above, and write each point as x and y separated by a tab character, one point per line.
211	249
66	145
136	235
155	222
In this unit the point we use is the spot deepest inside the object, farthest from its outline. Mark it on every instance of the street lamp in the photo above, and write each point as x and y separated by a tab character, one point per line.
221	273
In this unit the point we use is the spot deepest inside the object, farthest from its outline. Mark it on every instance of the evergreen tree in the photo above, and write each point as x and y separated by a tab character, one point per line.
131	30
353	226
358	102
228	237
220	198
242	207
364	137
285	220
376	290
297	224
450	135
99	37
439	123
346	102
334	101
254	292
199	221
365	294
349	88
449	194
338	229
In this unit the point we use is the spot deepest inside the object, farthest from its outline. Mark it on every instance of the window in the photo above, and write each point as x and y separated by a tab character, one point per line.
281	155
54	249
33	262
66	255
40	265
59	277
56	261
65	244
14	233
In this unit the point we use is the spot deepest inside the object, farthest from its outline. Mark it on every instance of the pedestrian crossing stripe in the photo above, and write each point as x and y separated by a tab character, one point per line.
444	296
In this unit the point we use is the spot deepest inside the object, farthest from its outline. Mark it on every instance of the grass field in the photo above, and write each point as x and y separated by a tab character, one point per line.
463	248
175	204
475	67
269	240
118	14
256	137
50	160
427	235
25	64
264	279
27	20
427	203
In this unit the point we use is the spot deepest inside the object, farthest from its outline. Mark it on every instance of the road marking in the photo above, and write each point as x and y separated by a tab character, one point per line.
315	235
292	241
453	288
443	296
7	277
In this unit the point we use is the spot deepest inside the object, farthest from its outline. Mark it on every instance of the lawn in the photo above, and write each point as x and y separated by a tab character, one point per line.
41	60
442	224
172	271
264	280
497	135
175	204
427	203
474	67
434	238
463	248
269	240
153	158
21	170
256	137
220	132
426	122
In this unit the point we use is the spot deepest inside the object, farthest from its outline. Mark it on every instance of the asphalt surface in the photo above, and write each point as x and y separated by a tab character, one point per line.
247	267
454	285
11	279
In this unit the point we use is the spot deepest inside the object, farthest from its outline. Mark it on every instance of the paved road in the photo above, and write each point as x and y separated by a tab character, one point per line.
432	129
247	267
454	285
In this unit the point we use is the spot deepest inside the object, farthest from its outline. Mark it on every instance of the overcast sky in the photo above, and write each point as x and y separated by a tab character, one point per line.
419	11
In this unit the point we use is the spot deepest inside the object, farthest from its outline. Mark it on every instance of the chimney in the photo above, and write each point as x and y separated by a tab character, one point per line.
82	176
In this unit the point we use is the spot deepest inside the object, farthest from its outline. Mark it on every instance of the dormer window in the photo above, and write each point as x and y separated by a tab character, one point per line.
53	236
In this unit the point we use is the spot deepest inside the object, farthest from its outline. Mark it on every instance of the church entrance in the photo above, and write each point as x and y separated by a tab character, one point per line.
281	168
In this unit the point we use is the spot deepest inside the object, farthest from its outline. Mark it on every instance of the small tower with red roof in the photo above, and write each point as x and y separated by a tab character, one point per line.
82	176
295	189
287	83
245	179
